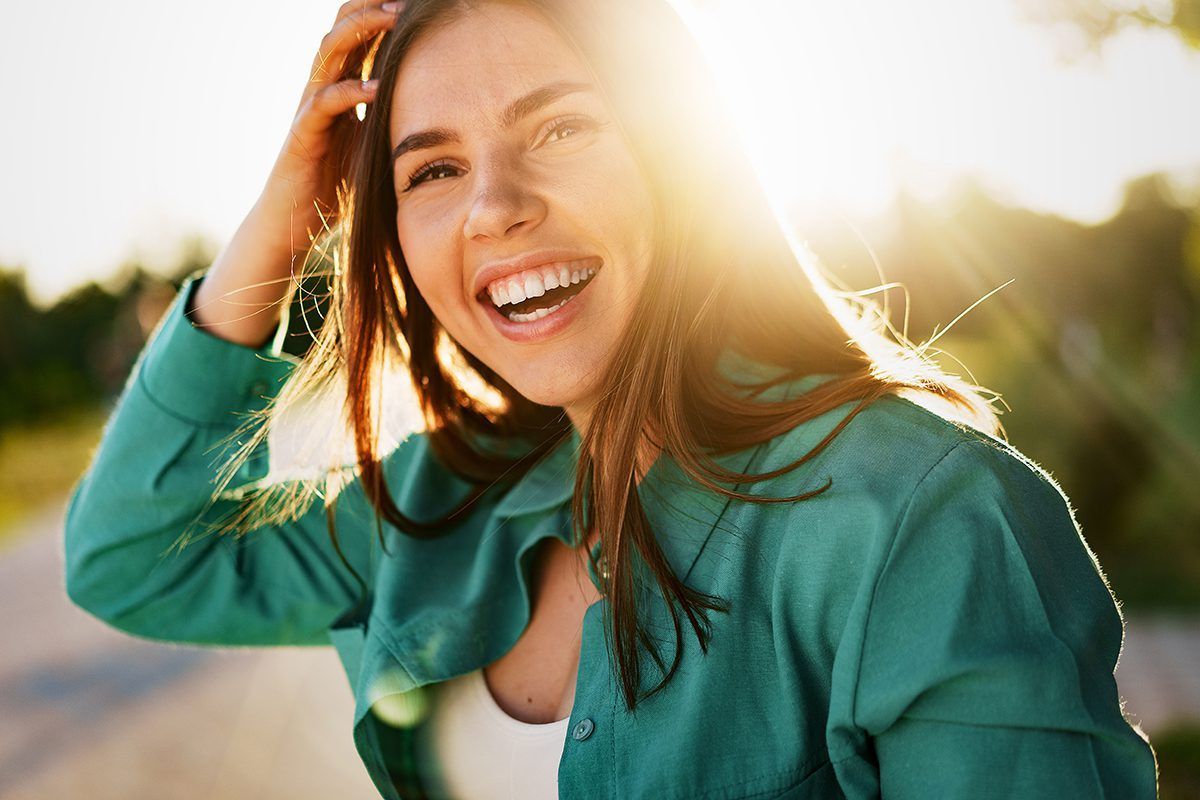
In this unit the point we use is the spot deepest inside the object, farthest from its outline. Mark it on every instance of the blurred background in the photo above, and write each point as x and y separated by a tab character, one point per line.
945	147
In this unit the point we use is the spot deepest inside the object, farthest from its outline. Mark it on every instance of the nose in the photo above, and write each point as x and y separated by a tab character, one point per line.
503	203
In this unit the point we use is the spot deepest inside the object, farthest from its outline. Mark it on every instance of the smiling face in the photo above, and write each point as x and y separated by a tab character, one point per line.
512	186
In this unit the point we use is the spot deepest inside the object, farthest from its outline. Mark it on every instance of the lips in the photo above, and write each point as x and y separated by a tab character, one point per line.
560	308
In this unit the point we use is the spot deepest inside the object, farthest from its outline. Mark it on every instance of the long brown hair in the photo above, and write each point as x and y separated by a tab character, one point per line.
725	275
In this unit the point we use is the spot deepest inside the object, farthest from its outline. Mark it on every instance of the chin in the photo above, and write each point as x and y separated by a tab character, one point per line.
556	389
548	396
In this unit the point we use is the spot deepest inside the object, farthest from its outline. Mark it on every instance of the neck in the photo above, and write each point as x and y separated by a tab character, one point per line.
647	454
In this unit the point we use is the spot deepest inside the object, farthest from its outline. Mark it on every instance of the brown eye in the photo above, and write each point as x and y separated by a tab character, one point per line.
430	171
562	130
566	128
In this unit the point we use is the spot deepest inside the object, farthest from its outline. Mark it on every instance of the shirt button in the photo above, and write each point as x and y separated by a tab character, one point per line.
258	389
582	730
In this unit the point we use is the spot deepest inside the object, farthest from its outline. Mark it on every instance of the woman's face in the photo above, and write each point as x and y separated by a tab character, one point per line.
512	183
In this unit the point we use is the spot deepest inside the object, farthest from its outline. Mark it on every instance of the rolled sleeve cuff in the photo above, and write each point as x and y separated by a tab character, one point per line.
202	378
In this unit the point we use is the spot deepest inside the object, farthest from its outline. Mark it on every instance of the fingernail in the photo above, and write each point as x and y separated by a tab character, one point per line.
391	6
371	85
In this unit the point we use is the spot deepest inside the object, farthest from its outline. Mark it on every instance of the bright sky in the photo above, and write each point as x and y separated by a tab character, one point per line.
138	122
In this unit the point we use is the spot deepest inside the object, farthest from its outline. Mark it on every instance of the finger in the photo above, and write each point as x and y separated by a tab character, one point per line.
336	99
344	37
351	7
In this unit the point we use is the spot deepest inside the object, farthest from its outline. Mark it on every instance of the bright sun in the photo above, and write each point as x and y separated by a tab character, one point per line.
808	89
839	105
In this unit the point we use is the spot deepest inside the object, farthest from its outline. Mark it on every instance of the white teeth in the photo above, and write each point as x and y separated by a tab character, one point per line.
516	291
499	294
538	313
533	285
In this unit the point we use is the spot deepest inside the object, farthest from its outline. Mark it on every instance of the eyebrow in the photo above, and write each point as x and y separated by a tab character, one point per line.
517	110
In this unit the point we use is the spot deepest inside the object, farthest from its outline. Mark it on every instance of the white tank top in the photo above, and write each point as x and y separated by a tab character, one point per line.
471	749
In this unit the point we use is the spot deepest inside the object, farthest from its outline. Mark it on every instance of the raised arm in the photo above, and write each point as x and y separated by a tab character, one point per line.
152	476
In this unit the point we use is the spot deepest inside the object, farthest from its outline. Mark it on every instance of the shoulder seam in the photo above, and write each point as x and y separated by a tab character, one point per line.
883	564
954	427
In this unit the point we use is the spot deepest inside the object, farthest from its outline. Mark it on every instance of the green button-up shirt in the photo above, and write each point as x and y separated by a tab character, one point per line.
932	626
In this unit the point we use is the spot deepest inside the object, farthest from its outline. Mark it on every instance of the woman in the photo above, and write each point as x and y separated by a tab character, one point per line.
799	582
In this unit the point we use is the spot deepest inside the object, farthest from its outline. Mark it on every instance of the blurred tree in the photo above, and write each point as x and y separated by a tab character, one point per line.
46	357
79	351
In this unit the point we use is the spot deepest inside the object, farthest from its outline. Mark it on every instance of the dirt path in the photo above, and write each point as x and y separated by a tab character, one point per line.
1159	673
88	711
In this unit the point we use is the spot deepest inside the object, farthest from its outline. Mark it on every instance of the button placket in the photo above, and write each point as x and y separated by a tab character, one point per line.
588	761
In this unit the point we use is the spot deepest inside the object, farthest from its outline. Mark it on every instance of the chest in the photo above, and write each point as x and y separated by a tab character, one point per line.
535	680
520	603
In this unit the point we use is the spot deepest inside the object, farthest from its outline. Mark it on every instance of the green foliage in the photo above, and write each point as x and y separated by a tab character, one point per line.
67	356
1178	751
79	351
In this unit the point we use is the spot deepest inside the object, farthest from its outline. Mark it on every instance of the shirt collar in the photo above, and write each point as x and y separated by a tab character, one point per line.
547	484
550	483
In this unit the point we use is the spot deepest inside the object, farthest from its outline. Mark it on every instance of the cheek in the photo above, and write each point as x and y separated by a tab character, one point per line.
625	210
607	197
618	194
429	258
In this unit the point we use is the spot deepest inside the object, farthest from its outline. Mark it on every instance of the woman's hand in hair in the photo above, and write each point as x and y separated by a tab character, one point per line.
304	177
240	296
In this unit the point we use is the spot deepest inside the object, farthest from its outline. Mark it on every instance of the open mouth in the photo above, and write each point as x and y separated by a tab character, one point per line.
516	307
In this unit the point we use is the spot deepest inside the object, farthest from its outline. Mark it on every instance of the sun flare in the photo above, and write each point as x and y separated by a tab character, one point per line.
841	105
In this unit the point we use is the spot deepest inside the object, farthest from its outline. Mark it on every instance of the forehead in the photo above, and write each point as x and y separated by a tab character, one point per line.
471	67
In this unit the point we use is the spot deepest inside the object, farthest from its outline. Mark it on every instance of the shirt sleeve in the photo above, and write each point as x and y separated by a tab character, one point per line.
990	646
152	477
